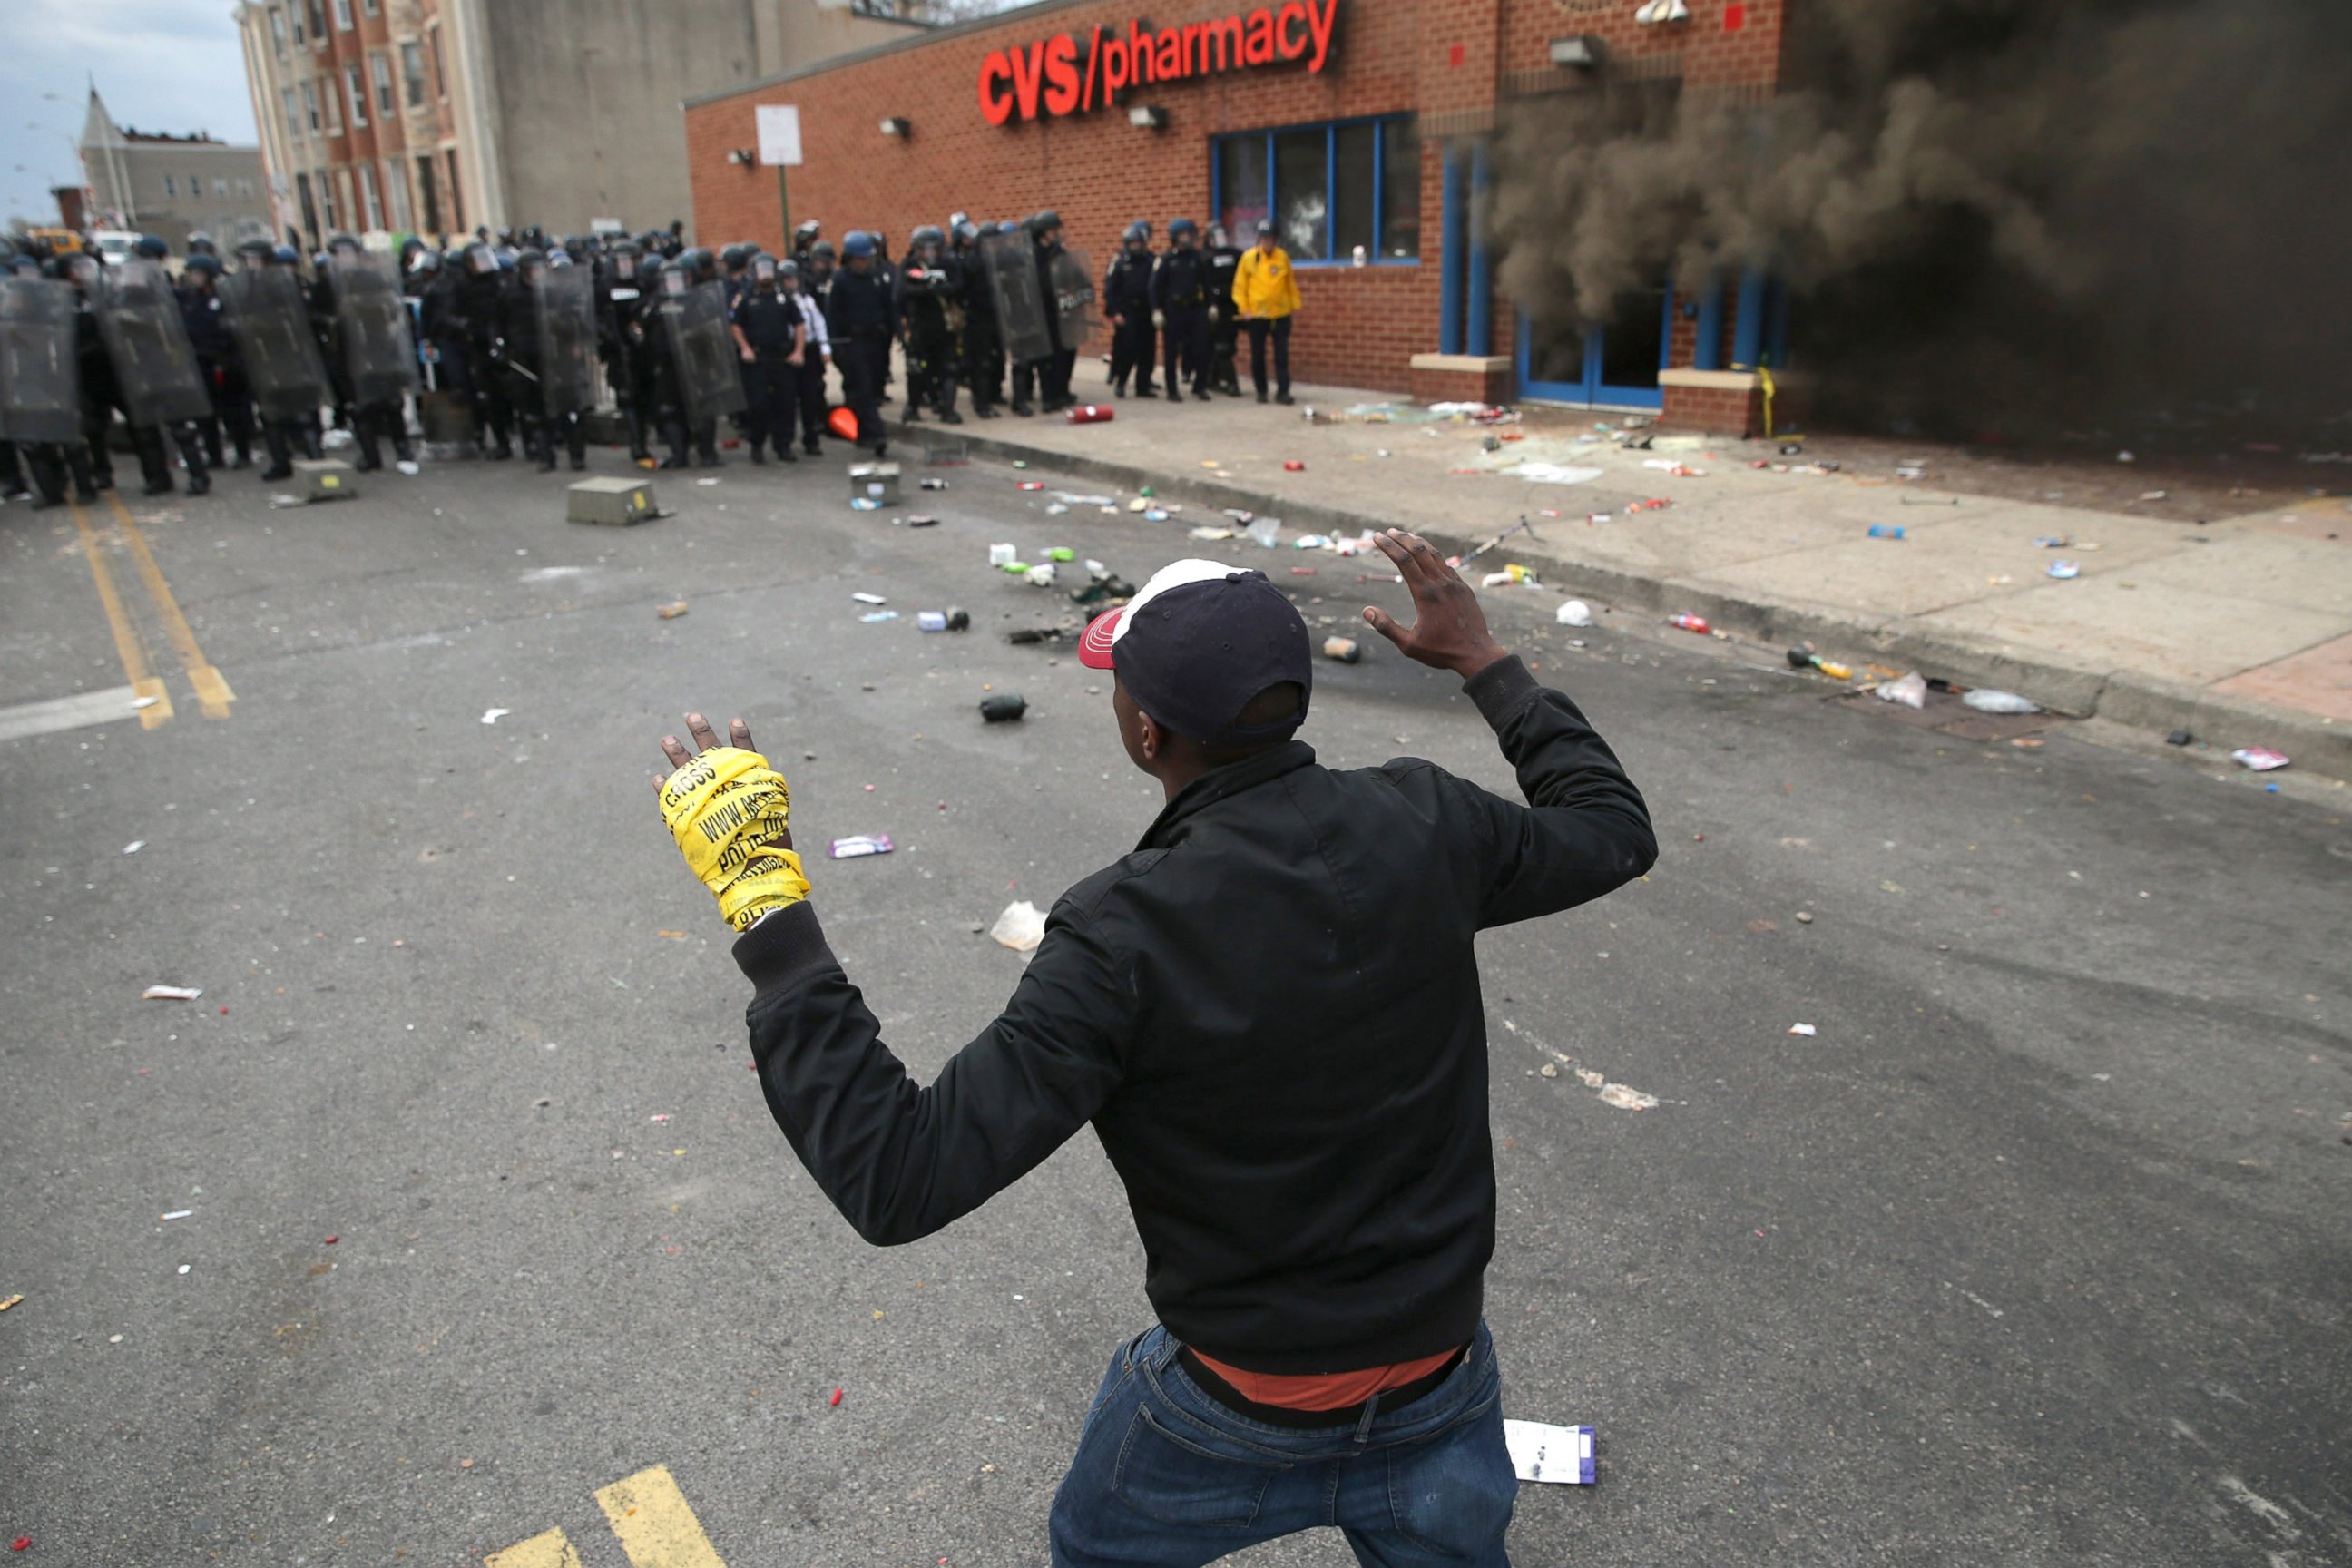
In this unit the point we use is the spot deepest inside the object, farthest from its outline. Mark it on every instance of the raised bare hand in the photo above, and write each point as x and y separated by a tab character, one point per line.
1449	629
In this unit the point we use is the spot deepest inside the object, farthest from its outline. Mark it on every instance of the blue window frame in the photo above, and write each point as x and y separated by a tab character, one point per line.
1329	187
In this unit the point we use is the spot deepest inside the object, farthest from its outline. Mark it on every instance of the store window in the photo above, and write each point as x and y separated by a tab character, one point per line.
379	70
1330	190
412	72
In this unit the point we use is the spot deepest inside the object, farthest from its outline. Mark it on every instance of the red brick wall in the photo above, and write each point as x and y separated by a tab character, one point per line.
1444	60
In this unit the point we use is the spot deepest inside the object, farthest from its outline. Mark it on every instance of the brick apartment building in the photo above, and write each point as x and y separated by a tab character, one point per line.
1364	128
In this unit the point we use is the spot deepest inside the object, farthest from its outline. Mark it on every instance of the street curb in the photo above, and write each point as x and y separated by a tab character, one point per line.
2126	697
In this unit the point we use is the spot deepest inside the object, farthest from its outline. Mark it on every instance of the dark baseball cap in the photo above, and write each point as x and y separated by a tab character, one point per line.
1202	640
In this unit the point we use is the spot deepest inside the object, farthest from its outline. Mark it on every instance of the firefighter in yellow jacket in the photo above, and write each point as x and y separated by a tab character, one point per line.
1265	296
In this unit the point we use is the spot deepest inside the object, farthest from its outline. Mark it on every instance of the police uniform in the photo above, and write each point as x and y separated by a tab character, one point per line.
1181	288
767	320
220	365
926	290
1127	300
1224	327
858	316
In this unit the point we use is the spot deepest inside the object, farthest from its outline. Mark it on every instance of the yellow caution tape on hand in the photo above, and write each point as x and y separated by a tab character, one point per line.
728	810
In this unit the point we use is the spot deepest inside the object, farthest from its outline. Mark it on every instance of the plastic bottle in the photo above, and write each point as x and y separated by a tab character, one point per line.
1886	530
1690	623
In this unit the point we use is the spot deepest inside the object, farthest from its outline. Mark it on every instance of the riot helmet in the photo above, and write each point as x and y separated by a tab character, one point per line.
674	281
343	242
1182	228
202	265
857	246
966	231
480	260
930	242
763	268
152	247
285	256
1046	224
735	258
201	244
1137	235
532	264
1218	239
805	232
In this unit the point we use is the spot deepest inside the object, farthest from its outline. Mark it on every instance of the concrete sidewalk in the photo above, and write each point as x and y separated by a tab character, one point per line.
2238	629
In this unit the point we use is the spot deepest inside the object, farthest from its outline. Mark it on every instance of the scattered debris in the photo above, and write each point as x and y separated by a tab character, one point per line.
2178	738
1625	1098
1574	612
1887	530
135	845
1556	1453
1293	466
860	844
1004	707
874	616
1344	649
492	715
7	1302
1911	690
1985	701
672	610
1003	555
1021	927
190	993
1690	623
1804	917
870	598
2259	759
1805	1029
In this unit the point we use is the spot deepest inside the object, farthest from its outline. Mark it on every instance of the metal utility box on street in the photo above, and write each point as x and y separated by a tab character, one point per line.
325	479
617	503
876	482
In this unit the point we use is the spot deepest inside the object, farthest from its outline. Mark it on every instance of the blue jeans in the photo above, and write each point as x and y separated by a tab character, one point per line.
1166	1476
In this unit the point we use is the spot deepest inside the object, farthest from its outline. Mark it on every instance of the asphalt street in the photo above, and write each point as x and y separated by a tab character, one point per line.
2034	1253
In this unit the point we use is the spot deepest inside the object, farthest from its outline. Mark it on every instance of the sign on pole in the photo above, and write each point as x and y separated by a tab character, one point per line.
780	134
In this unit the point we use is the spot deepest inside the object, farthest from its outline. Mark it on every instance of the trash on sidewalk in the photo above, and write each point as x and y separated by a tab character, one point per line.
1911	690
871	616
1886	530
7	1302
409	466
1625	1098
2066	571
1003	554
1040	575
935	484
1558	1453
860	844
1805	1029
1022	637
1802	657
1209	534
1344	649
190	993
1690	623
1511	576
1985	701
1551	473
1265	532
950	619
1293	466
2259	759
1004	708
1032	484
492	715
2178	738
135	845
1312	542
863	503
865	598
923	521
672	610
1021	927
1574	612
1092	414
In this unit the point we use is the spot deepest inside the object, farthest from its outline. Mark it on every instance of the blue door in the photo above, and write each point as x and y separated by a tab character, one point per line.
1611	366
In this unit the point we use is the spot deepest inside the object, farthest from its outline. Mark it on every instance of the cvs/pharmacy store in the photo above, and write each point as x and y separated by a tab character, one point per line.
1364	129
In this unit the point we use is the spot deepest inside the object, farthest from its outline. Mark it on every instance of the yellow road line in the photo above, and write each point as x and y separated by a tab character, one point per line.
551	1549
656	1528
212	695
128	645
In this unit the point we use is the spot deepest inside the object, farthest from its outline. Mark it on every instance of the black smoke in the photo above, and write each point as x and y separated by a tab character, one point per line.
2020	217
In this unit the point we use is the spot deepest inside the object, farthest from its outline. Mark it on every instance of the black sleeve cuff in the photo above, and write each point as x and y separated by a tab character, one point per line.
1501	689
784	950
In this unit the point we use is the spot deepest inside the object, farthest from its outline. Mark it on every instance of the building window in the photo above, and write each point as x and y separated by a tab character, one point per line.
1328	188
370	202
380	68
372	7
425	188
343	15
293	113
332	102
196	185
311	106
244	187
277	29
440	78
456	193
345	204
357	94
220	186
395	185
170	188
317	22
412	72
327	198
309	209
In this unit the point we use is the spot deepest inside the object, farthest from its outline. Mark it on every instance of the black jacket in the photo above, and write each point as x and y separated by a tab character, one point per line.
1269	1011
857	307
1180	280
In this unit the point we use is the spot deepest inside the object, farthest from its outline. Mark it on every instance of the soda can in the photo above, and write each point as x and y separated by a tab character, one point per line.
1004	707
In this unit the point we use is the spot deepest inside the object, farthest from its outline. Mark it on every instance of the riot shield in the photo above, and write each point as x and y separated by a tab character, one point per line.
271	322
371	322
1070	295
147	340
566	302
1011	266
41	380
709	371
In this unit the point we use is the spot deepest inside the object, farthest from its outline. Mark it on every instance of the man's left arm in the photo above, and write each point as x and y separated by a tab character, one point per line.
898	1161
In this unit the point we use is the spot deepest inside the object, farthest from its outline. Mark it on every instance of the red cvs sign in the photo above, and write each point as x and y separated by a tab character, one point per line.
1055	75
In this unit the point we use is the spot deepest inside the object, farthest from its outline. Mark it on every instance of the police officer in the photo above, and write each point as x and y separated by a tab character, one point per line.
982	364
619	294
1181	288
1127	300
146	440
470	337
217	360
817	352
857	315
517	315
805	235
928	283
1024	372
769	335
735	267
1224	327
369	421
1054	369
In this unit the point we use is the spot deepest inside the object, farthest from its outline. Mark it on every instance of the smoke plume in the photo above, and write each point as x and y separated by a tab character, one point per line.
1992	216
